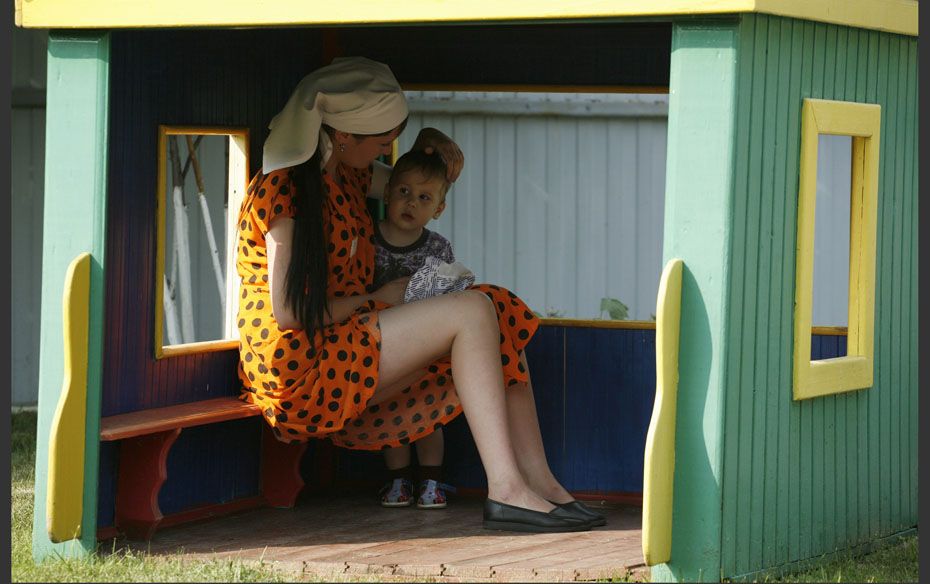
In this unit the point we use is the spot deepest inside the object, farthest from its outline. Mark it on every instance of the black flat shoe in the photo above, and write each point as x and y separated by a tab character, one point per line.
504	517
582	511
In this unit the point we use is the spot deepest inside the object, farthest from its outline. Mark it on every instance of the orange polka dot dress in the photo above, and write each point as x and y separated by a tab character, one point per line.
323	391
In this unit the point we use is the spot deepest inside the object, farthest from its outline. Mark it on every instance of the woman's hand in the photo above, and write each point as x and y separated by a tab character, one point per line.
430	139
392	292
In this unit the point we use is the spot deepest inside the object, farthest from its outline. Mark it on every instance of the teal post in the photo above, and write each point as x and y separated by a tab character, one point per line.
74	222
698	229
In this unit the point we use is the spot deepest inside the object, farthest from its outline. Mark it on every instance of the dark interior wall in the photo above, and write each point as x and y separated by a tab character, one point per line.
179	77
242	78
588	54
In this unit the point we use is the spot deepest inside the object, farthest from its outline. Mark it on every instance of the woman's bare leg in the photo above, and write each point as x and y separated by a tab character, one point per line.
465	325
527	440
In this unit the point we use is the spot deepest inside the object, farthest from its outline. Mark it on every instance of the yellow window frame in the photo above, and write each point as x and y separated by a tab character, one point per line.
238	183
862	122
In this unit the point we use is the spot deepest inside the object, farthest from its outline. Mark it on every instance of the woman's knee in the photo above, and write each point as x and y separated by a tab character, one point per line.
478	306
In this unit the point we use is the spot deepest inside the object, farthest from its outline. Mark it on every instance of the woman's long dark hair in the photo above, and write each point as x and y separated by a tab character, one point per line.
308	272
305	286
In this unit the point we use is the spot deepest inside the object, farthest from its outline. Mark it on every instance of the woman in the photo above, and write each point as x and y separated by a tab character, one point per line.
325	355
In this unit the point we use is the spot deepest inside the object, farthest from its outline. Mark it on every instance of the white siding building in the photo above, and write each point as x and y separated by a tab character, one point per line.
540	210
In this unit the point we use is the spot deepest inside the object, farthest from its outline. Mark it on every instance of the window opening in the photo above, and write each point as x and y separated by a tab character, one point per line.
831	234
202	179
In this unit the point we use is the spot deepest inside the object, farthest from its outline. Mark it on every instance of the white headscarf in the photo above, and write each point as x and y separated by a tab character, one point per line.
353	94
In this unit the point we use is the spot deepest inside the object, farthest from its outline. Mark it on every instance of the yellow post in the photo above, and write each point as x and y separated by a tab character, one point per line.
64	497
659	466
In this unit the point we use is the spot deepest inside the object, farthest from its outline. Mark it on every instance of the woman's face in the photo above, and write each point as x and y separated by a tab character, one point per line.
361	152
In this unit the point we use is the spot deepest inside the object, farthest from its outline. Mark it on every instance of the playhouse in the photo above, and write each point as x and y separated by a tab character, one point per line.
753	441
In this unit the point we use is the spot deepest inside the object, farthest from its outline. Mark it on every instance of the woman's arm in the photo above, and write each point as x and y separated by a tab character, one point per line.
341	308
278	242
278	245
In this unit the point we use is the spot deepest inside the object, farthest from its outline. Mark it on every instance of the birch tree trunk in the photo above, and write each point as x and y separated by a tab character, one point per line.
169	302
171	313
207	222
183	294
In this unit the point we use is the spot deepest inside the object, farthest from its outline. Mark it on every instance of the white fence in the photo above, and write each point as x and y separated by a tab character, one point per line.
562	195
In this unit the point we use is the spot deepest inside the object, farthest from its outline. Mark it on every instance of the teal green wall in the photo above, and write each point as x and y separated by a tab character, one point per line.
803	479
698	228
74	222
761	481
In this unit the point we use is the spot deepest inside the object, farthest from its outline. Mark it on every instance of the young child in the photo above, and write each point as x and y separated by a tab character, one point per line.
415	193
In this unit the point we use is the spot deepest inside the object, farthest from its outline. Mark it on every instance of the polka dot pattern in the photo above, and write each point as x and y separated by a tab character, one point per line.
323	392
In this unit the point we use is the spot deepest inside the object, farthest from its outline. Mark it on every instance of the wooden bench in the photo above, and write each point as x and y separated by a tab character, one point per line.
146	438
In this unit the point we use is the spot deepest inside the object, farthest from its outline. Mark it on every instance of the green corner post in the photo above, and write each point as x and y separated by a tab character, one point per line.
74	223
698	229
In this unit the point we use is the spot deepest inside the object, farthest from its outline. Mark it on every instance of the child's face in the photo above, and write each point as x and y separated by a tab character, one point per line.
412	200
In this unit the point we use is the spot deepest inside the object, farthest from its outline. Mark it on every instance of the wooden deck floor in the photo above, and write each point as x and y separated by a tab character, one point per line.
354	536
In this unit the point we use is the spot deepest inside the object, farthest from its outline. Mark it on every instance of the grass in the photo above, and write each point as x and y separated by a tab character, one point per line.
896	563
107	565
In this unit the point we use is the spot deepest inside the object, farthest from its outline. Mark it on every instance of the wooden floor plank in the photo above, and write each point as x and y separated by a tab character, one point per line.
560	556
534	549
354	536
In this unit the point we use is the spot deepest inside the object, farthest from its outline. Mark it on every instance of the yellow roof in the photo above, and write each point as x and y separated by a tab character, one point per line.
898	16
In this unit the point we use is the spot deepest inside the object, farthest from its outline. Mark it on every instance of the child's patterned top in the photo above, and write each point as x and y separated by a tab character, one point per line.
396	262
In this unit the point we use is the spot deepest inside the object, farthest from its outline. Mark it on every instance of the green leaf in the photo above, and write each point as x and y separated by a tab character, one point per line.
616	309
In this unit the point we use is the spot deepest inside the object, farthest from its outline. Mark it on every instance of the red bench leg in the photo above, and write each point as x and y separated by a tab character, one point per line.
281	480
142	471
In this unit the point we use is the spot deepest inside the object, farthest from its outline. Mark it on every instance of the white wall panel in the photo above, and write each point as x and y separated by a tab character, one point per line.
570	188
530	214
498	156
561	246
28	140
27	181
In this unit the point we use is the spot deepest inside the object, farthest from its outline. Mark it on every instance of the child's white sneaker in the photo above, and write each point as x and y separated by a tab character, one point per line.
397	493
433	494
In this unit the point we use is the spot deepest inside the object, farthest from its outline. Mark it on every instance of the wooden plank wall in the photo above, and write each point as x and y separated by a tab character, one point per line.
504	54
801	479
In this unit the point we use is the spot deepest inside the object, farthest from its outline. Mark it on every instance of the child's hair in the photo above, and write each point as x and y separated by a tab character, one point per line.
431	166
